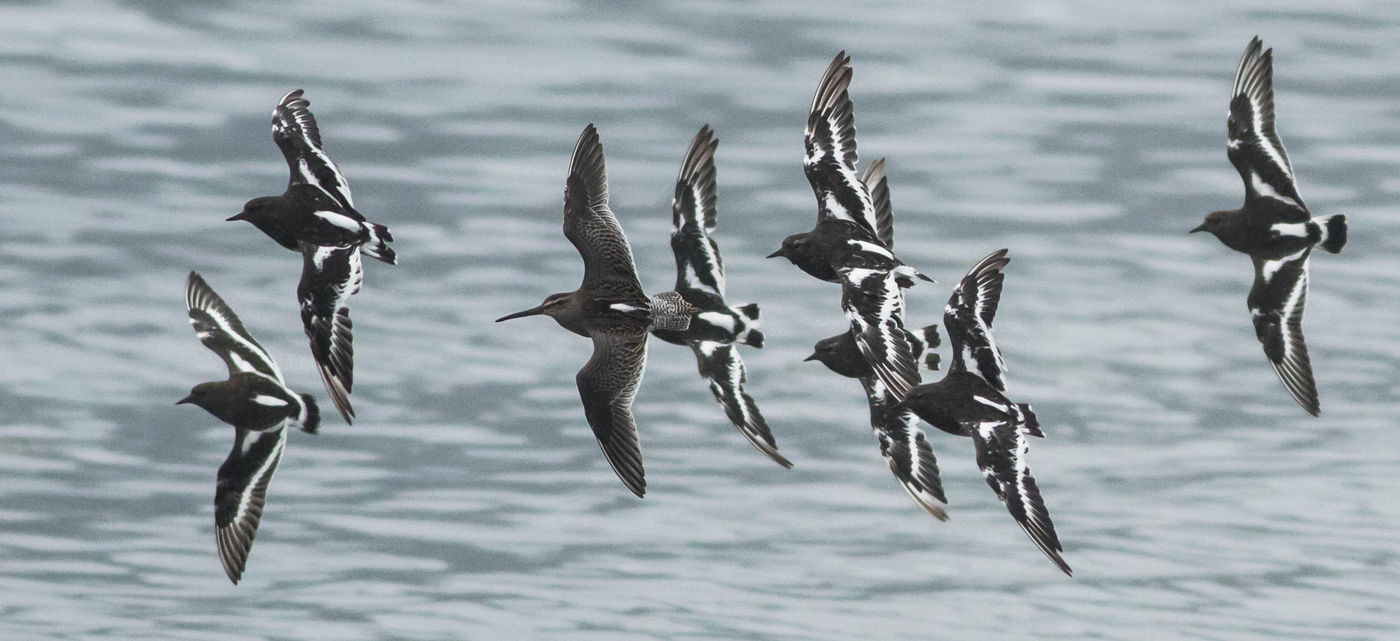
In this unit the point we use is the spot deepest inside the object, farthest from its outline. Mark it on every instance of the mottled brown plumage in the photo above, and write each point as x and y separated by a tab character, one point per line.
608	307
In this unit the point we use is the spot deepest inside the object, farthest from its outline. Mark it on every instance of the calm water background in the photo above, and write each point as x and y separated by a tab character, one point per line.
1195	500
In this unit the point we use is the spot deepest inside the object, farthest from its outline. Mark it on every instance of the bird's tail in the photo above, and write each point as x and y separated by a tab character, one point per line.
1026	420
750	335
669	311
924	342
312	423
378	245
1331	232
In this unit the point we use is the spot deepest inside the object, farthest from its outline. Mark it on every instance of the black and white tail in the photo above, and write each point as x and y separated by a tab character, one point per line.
312	422
1026	421
750	335
1332	232
378	244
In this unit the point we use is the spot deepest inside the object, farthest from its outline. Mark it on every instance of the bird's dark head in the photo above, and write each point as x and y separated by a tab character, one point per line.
1214	222
201	395
257	210
795	247
554	305
827	351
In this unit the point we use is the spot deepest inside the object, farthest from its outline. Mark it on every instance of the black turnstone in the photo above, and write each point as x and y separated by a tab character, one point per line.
317	217
716	328
255	400
610	308
969	401
845	246
902	443
1274	226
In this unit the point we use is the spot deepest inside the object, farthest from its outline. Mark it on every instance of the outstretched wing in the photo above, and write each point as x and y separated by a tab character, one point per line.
295	132
220	330
591	226
607	384
830	142
1254	146
329	276
905	448
693	216
1276	303
879	187
874	305
241	493
968	321
1001	454
724	370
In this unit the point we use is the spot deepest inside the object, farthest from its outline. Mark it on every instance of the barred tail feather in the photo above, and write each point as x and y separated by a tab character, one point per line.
378	245
1026	420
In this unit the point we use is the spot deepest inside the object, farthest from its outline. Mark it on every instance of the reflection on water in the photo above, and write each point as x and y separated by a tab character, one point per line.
1193	497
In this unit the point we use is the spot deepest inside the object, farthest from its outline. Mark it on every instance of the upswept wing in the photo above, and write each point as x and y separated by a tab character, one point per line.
905	448
1276	302
968	321
724	370
1253	145
241	493
329	276
220	330
1001	454
878	185
693	216
591	226
830	143
608	384
296	134
874	305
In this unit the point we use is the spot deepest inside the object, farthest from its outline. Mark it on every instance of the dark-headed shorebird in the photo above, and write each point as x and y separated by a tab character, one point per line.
845	246
970	400
717	329
902	443
1274	226
317	217
610	308
257	403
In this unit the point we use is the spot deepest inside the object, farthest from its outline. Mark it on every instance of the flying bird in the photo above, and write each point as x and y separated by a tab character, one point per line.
317	217
902	443
845	246
716	330
610	308
1274	226
256	401
970	401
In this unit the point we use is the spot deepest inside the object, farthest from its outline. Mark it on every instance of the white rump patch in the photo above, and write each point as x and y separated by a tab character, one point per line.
1299	230
338	219
718	319
269	401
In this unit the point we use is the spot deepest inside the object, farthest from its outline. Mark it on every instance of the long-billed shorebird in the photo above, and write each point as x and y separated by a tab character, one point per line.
1274	226
845	245
610	308
717	329
317	217
971	401
256	401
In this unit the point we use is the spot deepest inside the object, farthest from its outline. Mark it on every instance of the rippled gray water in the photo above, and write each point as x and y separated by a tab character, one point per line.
1195	500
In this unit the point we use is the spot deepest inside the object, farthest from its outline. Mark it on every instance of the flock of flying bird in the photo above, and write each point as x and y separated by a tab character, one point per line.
852	244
